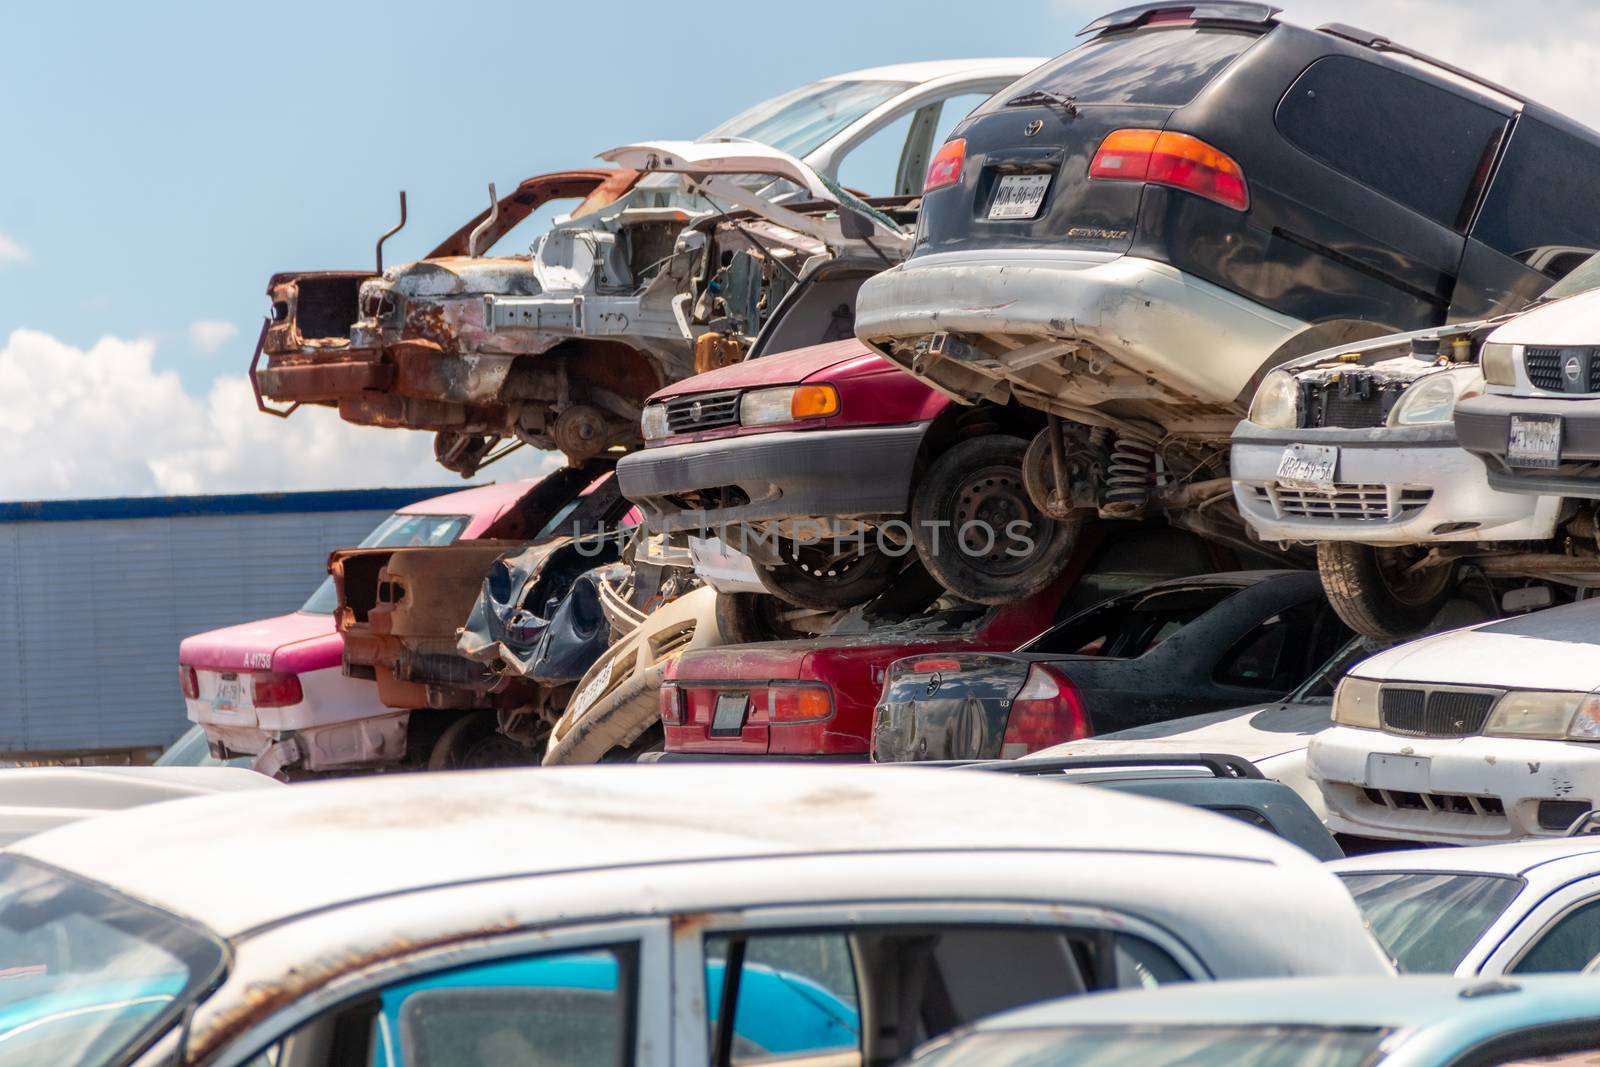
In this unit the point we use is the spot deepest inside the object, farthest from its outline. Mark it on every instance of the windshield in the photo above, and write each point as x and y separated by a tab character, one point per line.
399	530
802	120
1584	276
86	974
1161	1046
1318	689
1429	921
1130	626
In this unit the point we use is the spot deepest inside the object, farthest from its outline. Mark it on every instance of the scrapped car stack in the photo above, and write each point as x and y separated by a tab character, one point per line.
1148	382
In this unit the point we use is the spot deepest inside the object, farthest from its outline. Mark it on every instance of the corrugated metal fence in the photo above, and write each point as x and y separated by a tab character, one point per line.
95	596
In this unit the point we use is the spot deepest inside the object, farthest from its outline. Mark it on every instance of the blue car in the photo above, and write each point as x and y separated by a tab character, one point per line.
1385	1022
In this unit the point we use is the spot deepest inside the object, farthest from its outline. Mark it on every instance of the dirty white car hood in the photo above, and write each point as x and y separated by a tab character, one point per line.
1556	649
1573	321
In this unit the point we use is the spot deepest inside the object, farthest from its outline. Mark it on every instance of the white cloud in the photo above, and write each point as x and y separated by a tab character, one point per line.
11	251
209	335
106	422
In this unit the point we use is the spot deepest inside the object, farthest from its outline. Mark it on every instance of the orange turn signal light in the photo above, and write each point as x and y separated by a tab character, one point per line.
814	402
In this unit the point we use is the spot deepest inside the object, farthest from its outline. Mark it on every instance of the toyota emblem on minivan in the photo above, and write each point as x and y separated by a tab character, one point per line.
1033	128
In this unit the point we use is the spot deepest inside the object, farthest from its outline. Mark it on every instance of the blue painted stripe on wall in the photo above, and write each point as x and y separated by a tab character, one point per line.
160	507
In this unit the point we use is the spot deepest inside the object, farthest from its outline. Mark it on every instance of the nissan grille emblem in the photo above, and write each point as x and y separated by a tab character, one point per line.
934	681
1033	127
1573	368
695	410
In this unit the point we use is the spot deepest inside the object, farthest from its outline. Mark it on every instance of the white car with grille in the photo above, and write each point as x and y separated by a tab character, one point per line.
1491	733
1353	450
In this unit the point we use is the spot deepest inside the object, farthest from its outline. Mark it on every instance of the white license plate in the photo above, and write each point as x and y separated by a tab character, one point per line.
1018	196
590	693
1316	464
1534	441
229	694
1407	774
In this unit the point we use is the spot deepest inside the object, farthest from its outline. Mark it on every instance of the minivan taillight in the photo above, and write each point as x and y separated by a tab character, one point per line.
189	682
946	166
274	689
1173	159
1046	711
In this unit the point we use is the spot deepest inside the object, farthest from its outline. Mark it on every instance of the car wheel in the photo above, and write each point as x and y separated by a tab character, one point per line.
744	618
828	576
474	741
1377	592
961	522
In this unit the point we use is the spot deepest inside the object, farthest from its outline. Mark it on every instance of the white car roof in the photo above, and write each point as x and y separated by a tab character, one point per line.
240	862
1552	649
1007	66
36	799
1557	859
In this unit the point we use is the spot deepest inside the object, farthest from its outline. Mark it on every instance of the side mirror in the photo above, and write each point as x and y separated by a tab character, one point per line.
853	224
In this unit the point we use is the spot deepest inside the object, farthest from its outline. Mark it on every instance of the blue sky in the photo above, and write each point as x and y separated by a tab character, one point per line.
162	159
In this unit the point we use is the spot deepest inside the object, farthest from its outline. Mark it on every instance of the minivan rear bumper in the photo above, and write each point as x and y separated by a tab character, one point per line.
1197	339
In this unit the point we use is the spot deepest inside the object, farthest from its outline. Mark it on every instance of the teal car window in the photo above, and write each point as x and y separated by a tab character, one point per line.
86	975
1429	921
1568	945
796	995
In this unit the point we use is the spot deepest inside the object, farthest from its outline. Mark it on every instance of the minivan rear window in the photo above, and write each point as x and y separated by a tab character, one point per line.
1165	68
1543	208
1417	143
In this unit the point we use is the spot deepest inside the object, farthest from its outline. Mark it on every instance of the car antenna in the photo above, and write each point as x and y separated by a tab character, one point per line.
479	230
396	228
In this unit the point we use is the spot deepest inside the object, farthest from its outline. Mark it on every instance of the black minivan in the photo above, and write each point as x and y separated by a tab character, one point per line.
1131	235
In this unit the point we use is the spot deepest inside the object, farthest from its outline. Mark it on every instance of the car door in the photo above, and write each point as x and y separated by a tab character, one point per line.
1559	935
851	984
585	995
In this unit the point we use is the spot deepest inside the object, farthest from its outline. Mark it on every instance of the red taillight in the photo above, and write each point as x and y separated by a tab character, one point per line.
946	166
671	706
799	703
189	682
1173	159
1046	711
273	689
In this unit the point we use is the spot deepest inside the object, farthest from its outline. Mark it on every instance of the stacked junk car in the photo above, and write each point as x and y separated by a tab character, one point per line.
1151	402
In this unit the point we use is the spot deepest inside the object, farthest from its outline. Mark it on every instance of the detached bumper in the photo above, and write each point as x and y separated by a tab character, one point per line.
1465	790
807	474
1393	487
1483	425
1198	340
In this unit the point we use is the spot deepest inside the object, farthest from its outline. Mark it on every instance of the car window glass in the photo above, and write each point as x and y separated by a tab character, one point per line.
952	111
801	120
1130	625
1277	654
870	167
557	1009
801	994
1543	208
1570	944
1429	921
1415	142
1163	1046
1167	67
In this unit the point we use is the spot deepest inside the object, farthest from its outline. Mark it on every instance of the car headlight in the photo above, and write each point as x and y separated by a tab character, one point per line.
768	407
1433	399
653	423
1551	716
1498	363
1277	402
1355	703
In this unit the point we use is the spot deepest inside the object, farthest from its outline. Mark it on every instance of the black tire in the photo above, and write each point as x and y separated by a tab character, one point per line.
746	618
979	481
814	576
1363	586
474	741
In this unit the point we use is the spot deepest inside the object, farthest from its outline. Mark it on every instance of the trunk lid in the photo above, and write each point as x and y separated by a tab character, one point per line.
946	706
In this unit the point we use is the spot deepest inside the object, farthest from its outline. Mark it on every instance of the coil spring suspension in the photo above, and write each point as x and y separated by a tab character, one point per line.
1129	476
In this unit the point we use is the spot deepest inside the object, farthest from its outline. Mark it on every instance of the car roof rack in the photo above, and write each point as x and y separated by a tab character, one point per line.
1221	765
1584	825
1206	10
1379	43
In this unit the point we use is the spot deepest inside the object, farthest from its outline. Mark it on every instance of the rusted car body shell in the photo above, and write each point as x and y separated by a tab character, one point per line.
311	356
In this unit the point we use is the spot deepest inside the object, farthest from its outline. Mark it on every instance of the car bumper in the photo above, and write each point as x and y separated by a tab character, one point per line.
1483	425
1394	487
1150	317
1466	790
803	474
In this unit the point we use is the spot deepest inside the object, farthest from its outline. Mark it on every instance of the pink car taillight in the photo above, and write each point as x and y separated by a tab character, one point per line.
189	682
274	689
1046	711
